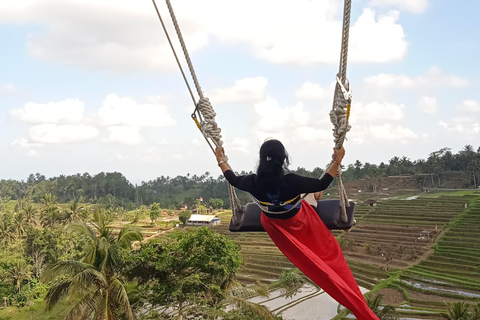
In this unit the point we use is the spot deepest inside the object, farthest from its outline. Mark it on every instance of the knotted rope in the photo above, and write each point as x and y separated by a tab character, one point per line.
342	100
203	108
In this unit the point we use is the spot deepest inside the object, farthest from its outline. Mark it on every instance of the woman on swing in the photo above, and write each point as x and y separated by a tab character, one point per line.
299	233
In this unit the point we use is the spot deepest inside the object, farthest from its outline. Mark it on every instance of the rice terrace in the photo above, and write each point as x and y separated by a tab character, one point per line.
415	248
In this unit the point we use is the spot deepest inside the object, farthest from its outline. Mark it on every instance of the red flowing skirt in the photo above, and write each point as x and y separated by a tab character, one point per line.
311	247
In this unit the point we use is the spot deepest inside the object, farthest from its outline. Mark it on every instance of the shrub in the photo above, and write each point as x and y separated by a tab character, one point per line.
367	248
184	216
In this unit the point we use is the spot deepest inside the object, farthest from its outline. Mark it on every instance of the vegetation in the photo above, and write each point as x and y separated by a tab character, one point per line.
462	311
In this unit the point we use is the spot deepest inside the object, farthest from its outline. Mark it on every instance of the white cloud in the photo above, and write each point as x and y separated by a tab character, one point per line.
153	155
310	134
434	77
121	157
463	125
314	91
469	106
66	111
32	147
24	143
240	144
428	105
274	119
126	35
244	90
124	111
377	41
52	133
390	132
7	89
124	135
178	157
415	6
375	112
197	142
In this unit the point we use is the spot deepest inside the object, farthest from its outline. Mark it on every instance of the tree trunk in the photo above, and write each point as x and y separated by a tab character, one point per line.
180	316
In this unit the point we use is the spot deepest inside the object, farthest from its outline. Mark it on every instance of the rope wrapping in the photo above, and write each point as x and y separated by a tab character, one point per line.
342	100
208	124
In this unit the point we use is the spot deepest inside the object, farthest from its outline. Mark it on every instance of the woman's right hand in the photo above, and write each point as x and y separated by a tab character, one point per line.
219	154
338	154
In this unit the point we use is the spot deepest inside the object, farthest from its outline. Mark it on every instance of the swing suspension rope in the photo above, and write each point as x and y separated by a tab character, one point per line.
204	115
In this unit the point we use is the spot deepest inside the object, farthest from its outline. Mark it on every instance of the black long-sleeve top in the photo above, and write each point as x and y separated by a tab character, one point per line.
292	186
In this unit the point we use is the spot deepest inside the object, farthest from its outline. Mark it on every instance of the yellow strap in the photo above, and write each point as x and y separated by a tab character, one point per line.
348	112
271	204
198	123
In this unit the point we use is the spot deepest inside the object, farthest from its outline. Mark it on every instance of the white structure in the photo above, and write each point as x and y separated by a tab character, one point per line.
203	220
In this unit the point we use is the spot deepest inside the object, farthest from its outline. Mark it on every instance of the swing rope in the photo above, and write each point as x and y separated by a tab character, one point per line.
203	108
342	100
207	125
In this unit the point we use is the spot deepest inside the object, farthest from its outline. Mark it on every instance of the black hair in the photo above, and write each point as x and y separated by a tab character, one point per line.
272	165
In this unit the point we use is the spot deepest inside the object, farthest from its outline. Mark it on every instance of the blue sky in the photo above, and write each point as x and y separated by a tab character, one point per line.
91	86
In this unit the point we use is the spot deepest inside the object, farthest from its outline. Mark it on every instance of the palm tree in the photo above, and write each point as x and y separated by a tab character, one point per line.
458	311
94	284
19	222
290	281
19	270
383	313
50	212
7	230
73	210
30	214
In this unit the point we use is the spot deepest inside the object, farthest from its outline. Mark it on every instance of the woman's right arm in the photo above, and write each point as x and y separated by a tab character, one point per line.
338	155
241	182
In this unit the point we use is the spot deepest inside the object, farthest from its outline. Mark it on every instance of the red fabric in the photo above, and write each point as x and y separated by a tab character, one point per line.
308	244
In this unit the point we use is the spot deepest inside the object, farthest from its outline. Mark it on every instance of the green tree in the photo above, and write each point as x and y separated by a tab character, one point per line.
383	313
216	203
8	233
17	272
30	213
50	213
154	211
74	210
188	270
290	281
459	311
184	216
94	283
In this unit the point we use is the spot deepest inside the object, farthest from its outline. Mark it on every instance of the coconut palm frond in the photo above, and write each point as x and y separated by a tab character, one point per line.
57	292
117	292
64	268
84	306
82	229
457	311
87	279
127	235
257	309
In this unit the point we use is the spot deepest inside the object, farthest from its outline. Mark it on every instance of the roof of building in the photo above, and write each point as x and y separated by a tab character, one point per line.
202	217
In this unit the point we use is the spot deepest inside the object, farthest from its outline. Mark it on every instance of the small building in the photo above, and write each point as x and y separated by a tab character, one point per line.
203	220
370	202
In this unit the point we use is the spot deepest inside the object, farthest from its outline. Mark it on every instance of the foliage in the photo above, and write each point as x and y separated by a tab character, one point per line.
183	216
216	203
290	281
383	313
154	211
95	283
461	311
187	270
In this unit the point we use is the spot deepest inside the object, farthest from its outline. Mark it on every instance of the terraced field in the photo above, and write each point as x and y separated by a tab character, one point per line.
426	249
